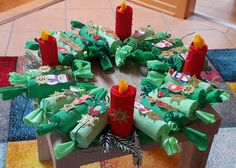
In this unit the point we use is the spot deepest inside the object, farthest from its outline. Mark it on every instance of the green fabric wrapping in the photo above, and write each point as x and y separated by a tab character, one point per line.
158	66
206	86
205	117
185	106
169	78
32	45
142	56
156	77
48	107
113	40
121	54
177	63
75	24
214	96
154	129
198	138
132	42
147	85
64	149
41	91
85	135
200	96
65	59
66	121
170	145
105	63
81	136
16	78
8	93
82	69
63	121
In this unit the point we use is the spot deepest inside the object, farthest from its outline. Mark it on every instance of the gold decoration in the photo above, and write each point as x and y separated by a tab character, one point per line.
171	40
68	107
179	50
88	120
120	116
191	86
44	69
58	95
154	116
59	67
92	31
177	98
42	79
170	108
70	43
167	53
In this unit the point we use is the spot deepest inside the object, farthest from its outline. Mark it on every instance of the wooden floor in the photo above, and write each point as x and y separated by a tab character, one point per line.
224	10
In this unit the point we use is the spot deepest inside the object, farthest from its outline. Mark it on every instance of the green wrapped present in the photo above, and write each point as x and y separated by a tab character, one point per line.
51	105
66	119
83	134
82	69
39	83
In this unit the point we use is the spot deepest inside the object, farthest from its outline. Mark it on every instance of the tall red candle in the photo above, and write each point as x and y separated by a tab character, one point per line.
122	110
48	50
123	22
195	60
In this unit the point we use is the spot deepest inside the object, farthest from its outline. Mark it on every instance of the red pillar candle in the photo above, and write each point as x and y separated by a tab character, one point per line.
122	109
48	49
123	21
195	60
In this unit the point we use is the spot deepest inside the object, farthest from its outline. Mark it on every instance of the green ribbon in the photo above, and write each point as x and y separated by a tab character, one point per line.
214	96
82	69
205	117
121	54
12	92
170	145
198	138
62	150
32	45
158	66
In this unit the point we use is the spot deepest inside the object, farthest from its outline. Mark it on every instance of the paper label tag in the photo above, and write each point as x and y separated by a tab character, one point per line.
141	108
163	44
183	78
55	79
139	33
62	50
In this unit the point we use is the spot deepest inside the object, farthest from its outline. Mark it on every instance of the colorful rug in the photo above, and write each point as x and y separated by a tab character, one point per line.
8	64
232	86
17	129
24	155
224	60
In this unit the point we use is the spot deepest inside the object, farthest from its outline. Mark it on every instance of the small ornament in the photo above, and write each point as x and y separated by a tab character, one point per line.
44	69
92	31
161	94
154	116
58	95
97	108
167	53
177	98
175	88
68	107
82	99
43	79
189	89
120	116
193	81
88	120
163	44
62	50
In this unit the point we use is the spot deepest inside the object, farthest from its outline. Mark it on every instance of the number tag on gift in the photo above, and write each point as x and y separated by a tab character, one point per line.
163	44
183	78
55	79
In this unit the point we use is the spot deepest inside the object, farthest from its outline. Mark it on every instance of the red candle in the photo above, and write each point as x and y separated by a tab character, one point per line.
195	59
122	109
48	49
123	21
